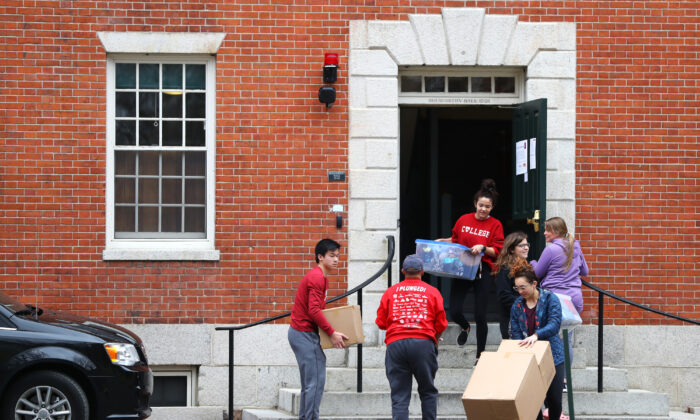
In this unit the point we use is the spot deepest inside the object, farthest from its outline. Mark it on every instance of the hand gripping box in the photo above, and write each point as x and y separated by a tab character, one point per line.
543	356
447	259
504	386
347	320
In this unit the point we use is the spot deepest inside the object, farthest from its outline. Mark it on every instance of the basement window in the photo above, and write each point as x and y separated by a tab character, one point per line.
173	387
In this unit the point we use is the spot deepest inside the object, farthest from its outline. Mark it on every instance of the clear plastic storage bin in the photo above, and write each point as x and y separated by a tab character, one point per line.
447	259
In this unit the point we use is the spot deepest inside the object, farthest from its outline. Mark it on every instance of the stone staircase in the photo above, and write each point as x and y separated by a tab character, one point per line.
341	401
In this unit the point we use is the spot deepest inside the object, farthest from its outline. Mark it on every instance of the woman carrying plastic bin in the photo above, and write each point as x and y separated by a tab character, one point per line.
515	248
482	234
536	315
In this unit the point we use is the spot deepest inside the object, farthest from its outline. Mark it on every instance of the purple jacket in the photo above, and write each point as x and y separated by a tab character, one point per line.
550	269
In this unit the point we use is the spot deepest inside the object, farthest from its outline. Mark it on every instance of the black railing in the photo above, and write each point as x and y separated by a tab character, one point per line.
358	289
601	318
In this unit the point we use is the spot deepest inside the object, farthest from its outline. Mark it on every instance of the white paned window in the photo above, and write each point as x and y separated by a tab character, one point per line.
479	86
160	157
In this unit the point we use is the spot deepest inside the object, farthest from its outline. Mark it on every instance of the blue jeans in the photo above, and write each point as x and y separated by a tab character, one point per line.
405	359
312	369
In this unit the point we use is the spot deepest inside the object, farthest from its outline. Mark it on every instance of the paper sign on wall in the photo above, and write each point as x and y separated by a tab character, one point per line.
533	154
521	158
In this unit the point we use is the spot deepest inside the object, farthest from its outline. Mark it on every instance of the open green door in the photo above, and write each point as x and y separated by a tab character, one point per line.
530	170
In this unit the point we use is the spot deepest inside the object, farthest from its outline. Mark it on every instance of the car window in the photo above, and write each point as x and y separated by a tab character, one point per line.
5	323
10	303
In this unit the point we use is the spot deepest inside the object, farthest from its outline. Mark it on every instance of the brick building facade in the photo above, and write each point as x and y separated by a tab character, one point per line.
622	84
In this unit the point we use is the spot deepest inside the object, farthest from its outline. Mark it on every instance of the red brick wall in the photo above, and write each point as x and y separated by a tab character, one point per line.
637	152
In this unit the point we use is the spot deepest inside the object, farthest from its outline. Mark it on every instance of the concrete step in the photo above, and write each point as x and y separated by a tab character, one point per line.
449	356
377	403
187	413
456	379
256	414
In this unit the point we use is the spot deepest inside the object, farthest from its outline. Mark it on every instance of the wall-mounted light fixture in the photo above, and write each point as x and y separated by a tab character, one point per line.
326	94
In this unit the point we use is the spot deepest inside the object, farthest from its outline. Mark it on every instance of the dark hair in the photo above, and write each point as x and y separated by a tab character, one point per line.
506	258
522	268
487	190
325	245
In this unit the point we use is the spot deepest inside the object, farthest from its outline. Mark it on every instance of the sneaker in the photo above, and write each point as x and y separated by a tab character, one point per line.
462	337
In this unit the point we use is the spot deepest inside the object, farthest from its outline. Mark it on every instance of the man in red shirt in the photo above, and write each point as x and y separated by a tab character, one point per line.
307	318
413	315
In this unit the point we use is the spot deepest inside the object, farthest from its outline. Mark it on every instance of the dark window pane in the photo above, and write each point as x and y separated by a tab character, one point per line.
171	219
148	191
125	219
148	163
125	163
172	76
194	105
504	84
125	134
148	133
126	76
172	163
172	191
410	83
194	191
126	104
194	219
169	391
148	76
172	104
458	84
148	219
195	76
194	135
125	190
148	104
194	163
481	84
435	84
172	133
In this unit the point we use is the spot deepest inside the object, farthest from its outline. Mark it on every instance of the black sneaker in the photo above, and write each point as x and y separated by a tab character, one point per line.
462	337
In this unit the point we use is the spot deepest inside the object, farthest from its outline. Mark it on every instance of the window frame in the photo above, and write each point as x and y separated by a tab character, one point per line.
462	98
162	248
189	372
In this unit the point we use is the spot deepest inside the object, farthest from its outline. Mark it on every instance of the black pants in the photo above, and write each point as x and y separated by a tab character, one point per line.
459	291
553	398
407	359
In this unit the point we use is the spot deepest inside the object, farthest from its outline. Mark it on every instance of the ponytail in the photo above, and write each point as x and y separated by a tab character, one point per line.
558	226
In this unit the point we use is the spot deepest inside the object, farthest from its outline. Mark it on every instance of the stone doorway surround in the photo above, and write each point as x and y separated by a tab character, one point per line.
458	37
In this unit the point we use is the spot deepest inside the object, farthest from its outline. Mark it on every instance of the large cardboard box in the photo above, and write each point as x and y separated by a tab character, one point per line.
543	355
347	320
504	386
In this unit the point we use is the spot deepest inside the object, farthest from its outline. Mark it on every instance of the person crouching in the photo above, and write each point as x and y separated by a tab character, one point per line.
413	315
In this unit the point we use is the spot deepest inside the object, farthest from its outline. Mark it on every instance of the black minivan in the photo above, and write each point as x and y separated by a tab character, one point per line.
59	366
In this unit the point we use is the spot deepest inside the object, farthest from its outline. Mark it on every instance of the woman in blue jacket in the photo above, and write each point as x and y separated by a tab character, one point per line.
536	315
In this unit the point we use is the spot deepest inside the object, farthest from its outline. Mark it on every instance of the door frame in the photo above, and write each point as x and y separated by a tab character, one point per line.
457	37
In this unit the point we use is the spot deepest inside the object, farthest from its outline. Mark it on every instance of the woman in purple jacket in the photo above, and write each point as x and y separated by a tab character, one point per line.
561	264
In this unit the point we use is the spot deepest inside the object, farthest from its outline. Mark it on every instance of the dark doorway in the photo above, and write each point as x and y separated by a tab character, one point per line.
445	154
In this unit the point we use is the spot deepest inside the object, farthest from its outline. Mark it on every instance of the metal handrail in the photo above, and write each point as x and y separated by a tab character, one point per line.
391	245
601	314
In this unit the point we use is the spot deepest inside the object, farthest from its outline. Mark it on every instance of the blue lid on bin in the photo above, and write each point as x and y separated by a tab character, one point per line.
412	264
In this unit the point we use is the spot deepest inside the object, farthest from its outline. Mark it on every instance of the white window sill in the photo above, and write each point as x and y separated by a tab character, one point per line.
146	254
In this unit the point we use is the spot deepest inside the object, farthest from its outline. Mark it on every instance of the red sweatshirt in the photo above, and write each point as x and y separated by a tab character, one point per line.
411	309
469	231
309	301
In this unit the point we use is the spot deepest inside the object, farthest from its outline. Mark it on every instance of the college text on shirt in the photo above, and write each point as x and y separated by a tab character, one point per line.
477	232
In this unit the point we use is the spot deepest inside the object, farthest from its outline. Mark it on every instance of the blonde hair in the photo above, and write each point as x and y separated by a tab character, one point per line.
506	258
558	226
